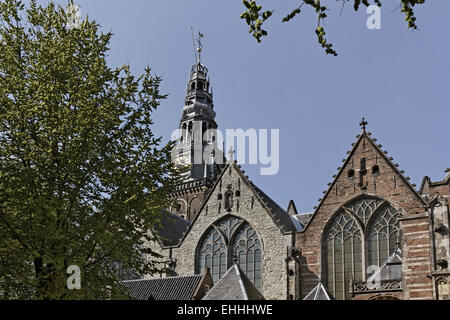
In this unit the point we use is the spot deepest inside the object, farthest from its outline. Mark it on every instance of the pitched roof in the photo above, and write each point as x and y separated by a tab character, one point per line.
281	217
291	208
234	285
170	228
171	288
303	218
297	224
319	292
365	134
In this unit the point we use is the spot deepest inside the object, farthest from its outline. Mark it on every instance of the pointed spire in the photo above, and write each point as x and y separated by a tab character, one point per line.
197	122
363	124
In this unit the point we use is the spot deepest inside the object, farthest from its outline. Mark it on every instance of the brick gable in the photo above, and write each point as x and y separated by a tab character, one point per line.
366	171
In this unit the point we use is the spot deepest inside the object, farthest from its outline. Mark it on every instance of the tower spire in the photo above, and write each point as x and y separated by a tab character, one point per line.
197	124
197	152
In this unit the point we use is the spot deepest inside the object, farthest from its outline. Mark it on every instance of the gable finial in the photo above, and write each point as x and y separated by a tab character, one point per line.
363	124
231	154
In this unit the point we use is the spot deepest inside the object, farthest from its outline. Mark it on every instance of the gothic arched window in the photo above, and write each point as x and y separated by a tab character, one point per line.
368	228
247	249
382	235
213	254
228	238
344	254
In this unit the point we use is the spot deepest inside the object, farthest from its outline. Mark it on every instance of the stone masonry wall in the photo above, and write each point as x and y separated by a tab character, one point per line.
274	242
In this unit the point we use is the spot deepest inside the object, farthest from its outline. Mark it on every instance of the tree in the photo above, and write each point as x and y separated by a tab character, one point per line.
255	17
82	176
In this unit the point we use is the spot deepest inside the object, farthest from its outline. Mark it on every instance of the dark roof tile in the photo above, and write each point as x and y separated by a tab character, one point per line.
171	288
171	228
234	285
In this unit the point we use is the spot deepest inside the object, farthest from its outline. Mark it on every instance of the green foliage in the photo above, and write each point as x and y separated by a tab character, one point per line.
407	8
82	177
255	20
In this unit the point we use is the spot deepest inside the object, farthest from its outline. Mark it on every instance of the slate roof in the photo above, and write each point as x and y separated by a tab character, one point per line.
170	228
297	224
281	217
303	218
234	285
171	288
318	293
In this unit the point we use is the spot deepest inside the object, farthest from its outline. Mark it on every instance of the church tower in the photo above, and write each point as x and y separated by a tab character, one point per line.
197	142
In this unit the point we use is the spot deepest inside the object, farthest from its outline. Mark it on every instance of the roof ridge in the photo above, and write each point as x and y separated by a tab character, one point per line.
319	287
240	275
220	280
163	278
292	204
244	277
395	167
261	195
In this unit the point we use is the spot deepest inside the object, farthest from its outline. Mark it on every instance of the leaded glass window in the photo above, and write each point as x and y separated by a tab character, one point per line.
361	234
382	236
228	226
344	254
247	248
228	238
212	254
365	207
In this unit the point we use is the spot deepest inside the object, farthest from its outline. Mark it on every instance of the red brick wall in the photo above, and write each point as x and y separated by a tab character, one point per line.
416	267
191	203
443	190
388	185
431	188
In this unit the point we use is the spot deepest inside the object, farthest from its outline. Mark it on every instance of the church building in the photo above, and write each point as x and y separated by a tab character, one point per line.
373	235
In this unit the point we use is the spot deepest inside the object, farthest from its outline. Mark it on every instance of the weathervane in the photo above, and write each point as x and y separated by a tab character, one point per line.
200	46
197	50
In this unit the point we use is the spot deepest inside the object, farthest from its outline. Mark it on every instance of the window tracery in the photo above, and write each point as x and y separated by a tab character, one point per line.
361	234
229	238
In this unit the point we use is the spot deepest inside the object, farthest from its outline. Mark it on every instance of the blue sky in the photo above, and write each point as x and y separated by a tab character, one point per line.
397	79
